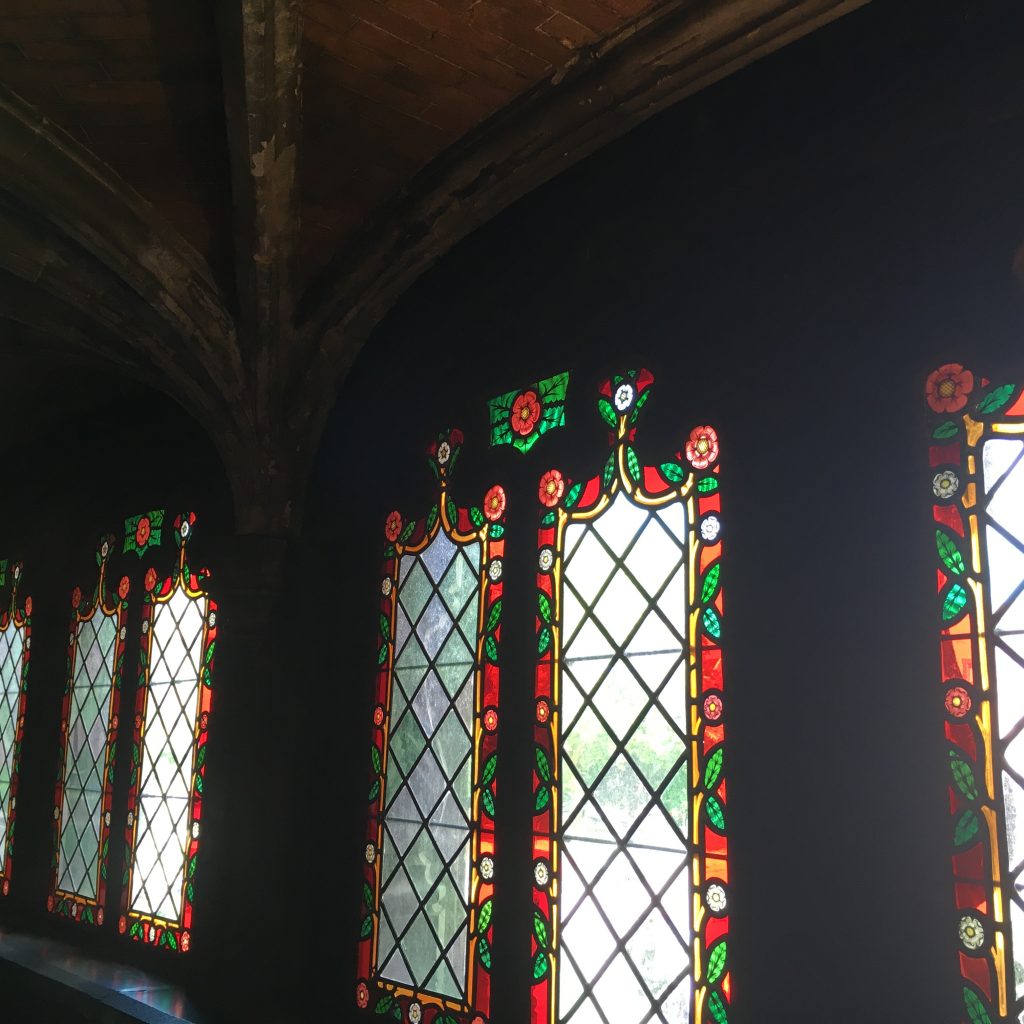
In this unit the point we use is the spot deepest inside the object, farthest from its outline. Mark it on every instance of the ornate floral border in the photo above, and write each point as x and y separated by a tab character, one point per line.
15	618
485	524
967	411
619	404
68	904
147	928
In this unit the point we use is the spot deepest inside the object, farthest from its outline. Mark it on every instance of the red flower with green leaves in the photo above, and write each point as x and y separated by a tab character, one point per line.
393	527
525	413
150	581
76	597
123	587
142	531
551	489
947	387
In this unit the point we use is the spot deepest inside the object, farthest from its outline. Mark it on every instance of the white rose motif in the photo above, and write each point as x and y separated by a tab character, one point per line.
546	560
371	853
710	527
494	570
145	627
131	819
972	934
122	633
623	397
104	550
541	874
385	586
56	813
945	484
195	829
184	528
415	1013
106	819
28	644
212	620
487	868
444	453
715	898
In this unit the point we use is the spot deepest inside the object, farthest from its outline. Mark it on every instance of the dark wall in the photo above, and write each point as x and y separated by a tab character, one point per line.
790	253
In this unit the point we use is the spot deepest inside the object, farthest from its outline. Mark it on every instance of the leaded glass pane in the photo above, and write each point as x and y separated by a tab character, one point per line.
425	894
12	650
85	755
625	899
166	770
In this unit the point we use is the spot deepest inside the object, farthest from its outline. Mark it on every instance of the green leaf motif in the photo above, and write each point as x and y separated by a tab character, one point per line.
975	1007
385	627
367	896
366	927
490	767
540	930
375	757
715	813
953	606
543	640
487	799
996	398
707	484
541	799
712	623
491	649
483	950
963	776
967	828
431	518
710	585
384	1003
452	512
544	606
543	765
673	472
476	516
604	407
374	791
717	1008
946	430
633	464
716	963
493	617
609	470
713	768
410	528
573	495
541	966
949	552
382	654
548	518
483	919
496	530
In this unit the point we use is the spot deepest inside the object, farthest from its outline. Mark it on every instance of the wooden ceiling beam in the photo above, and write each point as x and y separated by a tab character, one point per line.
260	46
676	50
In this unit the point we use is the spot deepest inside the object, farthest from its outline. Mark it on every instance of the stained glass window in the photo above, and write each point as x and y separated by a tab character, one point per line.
630	870
89	718
520	418
977	482
168	757
429	872
15	645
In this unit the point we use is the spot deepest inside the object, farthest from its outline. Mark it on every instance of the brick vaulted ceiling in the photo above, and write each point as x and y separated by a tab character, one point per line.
223	197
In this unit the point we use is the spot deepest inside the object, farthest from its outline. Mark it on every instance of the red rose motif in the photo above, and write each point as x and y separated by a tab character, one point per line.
114	722
713	708
185	942
99	916
123	587
28	605
76	597
494	503
150	581
204	721
142	532
49	903
947	387
393	527
7	886
490	719
525	413
378	715
122	924
958	701
702	447
543	711
362	996
552	487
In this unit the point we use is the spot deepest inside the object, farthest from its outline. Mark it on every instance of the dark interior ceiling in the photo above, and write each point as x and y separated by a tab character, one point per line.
222	200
